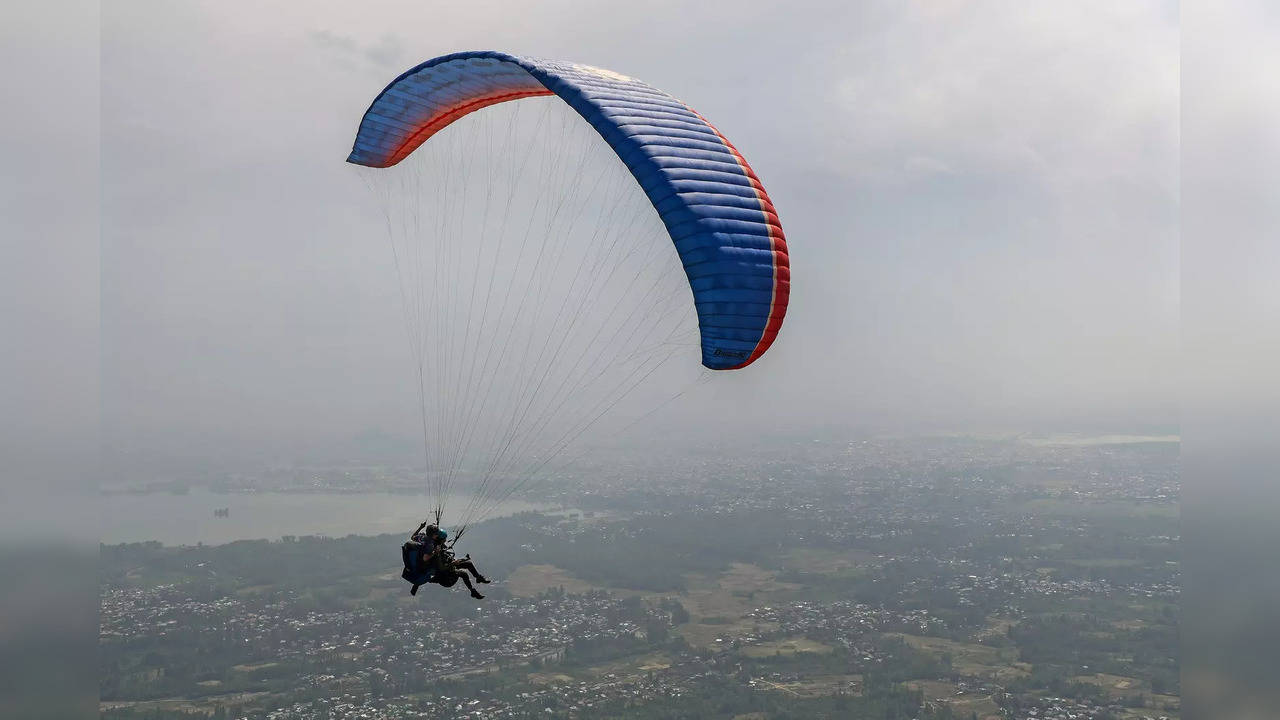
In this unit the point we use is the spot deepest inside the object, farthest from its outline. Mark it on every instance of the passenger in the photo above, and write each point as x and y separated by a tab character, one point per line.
448	570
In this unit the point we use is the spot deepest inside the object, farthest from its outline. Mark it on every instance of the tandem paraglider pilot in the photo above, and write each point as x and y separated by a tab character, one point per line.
427	559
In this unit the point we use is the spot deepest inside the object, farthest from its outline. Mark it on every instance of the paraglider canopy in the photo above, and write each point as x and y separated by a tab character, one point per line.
715	209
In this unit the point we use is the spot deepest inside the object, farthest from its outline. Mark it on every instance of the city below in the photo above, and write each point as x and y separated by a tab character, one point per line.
948	577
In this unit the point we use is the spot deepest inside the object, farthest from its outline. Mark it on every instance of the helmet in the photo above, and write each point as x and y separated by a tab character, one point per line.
441	534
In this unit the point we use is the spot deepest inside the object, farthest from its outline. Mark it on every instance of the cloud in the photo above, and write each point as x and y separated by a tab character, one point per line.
386	52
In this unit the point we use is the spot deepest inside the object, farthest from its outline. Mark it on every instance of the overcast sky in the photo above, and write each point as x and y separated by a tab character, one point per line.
982	204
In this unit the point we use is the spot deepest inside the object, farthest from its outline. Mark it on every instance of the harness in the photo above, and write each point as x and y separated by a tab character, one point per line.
415	570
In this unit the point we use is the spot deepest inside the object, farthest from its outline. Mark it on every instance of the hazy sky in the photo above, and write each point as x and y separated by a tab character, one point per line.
48	248
982	204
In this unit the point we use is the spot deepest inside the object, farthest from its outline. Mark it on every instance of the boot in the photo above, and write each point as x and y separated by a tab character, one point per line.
476	594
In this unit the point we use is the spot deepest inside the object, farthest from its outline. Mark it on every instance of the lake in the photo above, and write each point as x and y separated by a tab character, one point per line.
188	518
